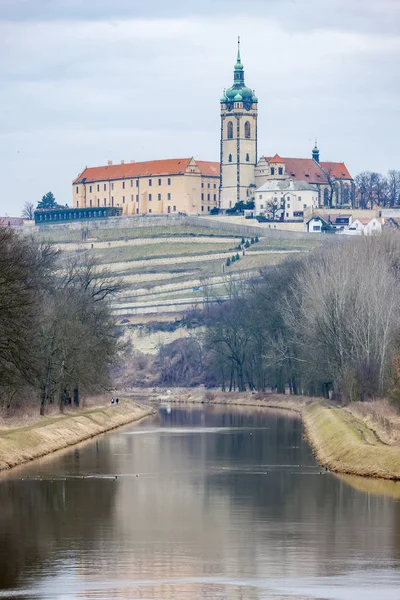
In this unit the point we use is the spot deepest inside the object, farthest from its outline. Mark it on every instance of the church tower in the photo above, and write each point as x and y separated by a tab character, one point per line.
238	139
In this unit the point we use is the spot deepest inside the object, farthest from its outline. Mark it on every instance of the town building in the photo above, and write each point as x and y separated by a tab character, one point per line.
285	199
177	185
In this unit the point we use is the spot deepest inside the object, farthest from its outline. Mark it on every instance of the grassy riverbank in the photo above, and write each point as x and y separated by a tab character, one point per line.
48	434
343	440
345	444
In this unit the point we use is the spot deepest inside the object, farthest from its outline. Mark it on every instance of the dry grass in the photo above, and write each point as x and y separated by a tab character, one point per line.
52	433
381	416
159	250
345	444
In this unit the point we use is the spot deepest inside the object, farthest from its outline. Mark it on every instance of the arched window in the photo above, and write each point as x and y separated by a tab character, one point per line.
326	197
230	130
247	157
247	130
230	158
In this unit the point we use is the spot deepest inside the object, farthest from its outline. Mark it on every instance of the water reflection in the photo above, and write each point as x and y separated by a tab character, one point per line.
202	503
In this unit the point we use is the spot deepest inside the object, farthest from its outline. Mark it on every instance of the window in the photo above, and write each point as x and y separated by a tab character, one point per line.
208	208
131	197
230	158
287	214
149	210
105	187
208	185
215	186
98	202
260	196
299	198
131	182
202	185
137	182
137	197
208	197
98	187
123	199
247	157
159	182
202	196
169	209
150	198
137	211
90	203
169	196
247	130
77	189
272	171
230	130
105	201
159	196
90	189
202	209
174	208
169	181
261	205
280	170
112	200
123	185
150	182
215	197
316	228
304	205
77	205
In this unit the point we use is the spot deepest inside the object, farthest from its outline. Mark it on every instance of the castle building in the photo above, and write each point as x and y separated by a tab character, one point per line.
176	185
186	185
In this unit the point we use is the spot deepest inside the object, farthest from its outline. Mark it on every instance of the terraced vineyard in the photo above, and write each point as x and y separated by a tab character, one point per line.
167	270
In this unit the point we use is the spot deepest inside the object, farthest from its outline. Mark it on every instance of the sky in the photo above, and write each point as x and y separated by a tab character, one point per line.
87	81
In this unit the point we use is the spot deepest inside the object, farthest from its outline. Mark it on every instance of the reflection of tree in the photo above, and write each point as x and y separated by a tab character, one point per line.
38	517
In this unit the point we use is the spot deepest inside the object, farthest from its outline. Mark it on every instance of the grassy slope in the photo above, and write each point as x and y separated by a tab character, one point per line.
49	434
345	444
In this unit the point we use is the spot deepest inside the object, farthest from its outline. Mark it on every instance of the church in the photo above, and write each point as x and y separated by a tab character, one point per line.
281	188
245	177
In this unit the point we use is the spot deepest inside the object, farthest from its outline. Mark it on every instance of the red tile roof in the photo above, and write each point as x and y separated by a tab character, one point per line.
338	170
208	169
169	166
307	169
276	159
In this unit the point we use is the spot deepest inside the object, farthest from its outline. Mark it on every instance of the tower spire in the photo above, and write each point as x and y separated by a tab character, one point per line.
238	54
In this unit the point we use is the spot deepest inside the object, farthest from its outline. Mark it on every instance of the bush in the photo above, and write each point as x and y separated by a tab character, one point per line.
209	396
228	262
252	241
243	241
233	258
247	244
256	240
237	257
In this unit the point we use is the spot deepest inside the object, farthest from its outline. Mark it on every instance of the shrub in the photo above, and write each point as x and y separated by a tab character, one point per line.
233	258
252	241
228	262
247	244
237	257
243	241
209	396
256	240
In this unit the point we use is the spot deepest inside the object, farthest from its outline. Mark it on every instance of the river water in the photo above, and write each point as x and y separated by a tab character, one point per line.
208	503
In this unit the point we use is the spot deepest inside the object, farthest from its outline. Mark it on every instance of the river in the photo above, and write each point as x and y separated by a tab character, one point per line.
196	503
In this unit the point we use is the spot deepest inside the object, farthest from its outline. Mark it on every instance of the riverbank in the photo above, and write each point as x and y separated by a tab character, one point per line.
341	440
49	434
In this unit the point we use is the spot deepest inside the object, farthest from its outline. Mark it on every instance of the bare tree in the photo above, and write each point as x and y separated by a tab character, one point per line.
28	211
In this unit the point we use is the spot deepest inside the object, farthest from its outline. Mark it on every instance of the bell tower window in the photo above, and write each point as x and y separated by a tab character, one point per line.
247	130
247	157
230	130
230	158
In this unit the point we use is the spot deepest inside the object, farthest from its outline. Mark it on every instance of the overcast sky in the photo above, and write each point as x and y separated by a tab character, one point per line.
84	81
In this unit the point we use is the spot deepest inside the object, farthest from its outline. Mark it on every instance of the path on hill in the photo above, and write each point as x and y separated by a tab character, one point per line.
72	246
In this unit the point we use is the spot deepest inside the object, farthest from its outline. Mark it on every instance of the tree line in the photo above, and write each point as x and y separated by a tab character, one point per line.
57	334
375	189
325	324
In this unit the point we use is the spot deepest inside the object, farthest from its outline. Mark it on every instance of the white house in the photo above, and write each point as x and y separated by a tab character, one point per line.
366	226
285	199
317	224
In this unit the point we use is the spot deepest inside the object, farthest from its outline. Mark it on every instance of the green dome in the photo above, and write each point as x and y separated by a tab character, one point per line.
239	92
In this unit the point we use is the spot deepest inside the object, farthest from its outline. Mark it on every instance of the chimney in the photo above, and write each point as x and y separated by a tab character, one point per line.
122	162
109	162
